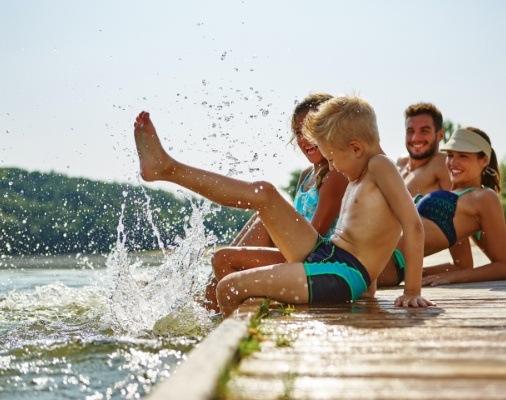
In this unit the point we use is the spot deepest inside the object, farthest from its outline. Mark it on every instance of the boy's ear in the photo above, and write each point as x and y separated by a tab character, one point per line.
356	147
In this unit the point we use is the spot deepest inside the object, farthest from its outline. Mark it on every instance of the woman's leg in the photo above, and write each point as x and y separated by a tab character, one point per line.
232	259
286	283
253	233
256	236
291	233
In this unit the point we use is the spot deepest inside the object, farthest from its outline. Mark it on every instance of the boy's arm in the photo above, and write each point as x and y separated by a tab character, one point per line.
397	196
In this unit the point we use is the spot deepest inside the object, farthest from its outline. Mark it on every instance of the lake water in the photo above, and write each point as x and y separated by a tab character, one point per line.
82	327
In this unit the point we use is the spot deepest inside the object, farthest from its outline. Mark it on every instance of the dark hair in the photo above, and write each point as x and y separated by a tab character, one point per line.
491	176
311	103
426	108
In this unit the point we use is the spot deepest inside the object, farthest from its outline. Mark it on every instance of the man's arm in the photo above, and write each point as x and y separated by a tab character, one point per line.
442	174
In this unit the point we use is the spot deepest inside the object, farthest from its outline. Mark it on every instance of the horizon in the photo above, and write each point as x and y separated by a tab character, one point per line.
221	80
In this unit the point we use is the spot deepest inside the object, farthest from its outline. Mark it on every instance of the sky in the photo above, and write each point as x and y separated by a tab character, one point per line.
221	78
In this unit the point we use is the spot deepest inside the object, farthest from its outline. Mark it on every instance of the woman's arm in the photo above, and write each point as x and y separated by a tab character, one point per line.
493	243
330	195
462	258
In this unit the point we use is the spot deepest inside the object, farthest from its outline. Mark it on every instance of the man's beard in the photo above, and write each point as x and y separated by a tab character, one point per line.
429	153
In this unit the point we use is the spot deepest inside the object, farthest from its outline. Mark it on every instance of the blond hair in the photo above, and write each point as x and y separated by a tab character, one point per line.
341	120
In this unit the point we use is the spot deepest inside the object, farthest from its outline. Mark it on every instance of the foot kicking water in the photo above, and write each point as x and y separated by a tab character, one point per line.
155	163
375	229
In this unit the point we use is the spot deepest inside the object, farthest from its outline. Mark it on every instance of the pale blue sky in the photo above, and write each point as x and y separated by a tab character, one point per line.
220	78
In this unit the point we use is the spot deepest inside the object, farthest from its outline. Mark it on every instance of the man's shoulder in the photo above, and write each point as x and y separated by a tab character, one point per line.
438	158
402	161
437	163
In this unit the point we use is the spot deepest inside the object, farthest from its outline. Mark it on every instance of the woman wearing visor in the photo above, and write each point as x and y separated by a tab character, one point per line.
470	209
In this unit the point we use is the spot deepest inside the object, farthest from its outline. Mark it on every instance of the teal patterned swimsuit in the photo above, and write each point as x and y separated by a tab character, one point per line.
439	207
306	202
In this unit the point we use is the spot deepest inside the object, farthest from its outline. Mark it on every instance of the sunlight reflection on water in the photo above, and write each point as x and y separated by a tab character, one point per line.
86	328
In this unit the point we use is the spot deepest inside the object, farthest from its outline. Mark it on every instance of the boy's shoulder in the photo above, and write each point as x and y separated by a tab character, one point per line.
380	161
383	171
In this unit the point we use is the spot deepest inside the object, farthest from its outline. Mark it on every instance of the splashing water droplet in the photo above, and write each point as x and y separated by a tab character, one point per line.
165	298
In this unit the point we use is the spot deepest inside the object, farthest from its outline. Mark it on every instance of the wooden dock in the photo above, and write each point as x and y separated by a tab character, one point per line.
372	350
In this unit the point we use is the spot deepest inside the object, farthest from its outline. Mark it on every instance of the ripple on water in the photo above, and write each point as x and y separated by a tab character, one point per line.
114	339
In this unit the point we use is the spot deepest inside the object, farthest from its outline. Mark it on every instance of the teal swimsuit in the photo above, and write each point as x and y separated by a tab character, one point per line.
439	207
306	202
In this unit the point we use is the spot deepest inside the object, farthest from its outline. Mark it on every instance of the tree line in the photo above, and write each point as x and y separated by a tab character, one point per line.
50	213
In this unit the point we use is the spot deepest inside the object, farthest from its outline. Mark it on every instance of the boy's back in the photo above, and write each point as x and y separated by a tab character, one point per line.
377	206
370	230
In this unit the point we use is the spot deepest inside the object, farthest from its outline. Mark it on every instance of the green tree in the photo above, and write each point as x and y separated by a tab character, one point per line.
502	170
54	214
291	187
449	127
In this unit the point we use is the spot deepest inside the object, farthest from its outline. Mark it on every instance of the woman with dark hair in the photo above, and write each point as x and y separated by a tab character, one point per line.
318	198
470	209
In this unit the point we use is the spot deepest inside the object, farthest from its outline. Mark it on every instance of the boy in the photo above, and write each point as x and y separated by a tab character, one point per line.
375	209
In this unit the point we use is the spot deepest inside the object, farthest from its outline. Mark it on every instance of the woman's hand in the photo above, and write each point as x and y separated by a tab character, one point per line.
412	300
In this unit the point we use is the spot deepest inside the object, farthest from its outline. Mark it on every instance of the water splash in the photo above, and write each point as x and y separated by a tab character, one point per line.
163	299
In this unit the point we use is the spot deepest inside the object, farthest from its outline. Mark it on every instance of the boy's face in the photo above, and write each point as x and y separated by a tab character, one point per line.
339	158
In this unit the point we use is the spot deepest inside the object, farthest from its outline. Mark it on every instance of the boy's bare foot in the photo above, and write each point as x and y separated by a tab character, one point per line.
155	163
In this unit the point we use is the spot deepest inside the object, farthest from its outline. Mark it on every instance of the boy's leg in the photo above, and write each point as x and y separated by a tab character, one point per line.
291	233
286	283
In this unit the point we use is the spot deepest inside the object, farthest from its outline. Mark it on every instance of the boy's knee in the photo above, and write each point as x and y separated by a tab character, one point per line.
266	190
225	289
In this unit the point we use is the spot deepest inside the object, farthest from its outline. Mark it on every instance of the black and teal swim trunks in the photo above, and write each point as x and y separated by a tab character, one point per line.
334	275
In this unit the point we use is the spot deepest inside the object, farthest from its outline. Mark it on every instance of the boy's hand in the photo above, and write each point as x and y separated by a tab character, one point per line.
412	300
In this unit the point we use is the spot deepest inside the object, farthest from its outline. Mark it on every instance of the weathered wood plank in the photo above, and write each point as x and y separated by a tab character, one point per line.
373	350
